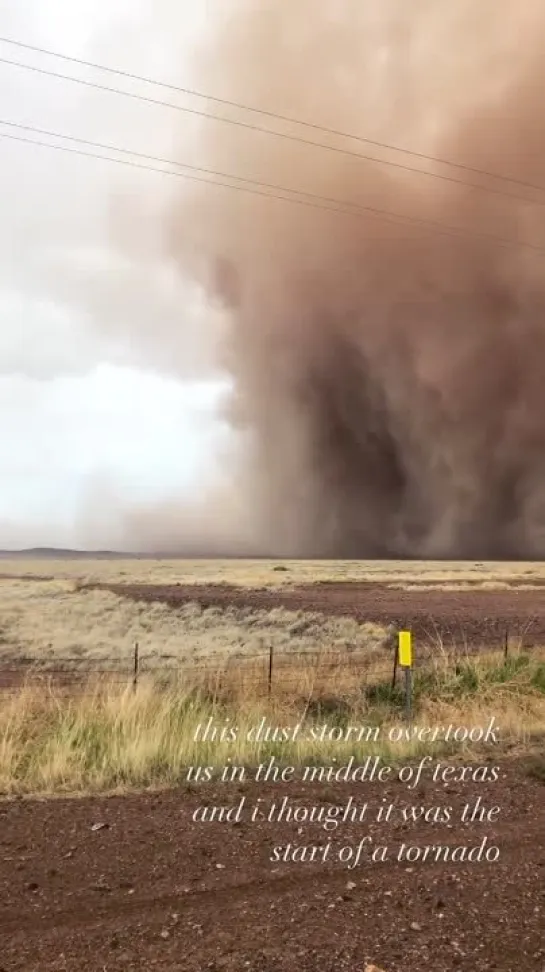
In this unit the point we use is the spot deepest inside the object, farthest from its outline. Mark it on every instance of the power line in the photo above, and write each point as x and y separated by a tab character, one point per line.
284	118
183	165
350	206
356	212
179	175
283	135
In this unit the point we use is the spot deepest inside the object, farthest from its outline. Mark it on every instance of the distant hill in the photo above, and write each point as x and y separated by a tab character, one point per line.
49	553
60	553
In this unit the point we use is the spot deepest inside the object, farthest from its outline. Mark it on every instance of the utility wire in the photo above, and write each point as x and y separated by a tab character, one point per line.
355	212
183	165
211	182
284	135
276	115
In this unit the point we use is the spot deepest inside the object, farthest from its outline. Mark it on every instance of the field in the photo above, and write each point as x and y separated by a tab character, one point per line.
257	573
89	738
53	609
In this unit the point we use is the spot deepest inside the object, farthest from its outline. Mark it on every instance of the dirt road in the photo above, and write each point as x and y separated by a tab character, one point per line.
470	616
151	889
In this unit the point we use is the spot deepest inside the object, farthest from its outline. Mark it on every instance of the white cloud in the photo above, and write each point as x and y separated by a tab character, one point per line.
141	437
40	339
91	315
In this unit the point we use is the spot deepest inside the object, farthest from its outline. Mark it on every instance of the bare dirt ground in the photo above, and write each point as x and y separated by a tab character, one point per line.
465	617
153	889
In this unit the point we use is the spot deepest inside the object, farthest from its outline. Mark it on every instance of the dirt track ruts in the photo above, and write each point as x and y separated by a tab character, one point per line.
465	617
153	889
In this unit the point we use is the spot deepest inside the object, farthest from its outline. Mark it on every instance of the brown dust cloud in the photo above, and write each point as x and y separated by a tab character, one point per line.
388	372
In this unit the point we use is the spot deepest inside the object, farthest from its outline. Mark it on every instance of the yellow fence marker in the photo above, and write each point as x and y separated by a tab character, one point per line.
405	654
405	649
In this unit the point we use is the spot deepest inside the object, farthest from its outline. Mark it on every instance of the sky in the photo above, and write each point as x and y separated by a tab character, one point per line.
92	402
357	424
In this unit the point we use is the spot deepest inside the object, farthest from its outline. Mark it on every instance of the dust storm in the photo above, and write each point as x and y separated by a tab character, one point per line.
385	331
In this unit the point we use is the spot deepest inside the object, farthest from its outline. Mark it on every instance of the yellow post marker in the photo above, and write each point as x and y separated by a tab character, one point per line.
405	654
405	649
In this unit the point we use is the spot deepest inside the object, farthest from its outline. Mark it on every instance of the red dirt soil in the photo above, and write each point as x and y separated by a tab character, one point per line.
151	889
463	617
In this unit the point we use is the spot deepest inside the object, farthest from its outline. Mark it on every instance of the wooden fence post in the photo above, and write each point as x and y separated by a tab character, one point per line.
136	667
271	652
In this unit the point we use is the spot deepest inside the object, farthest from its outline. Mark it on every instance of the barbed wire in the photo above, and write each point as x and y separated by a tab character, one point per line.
291	668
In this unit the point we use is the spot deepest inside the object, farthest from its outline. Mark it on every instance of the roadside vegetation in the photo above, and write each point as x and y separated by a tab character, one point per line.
109	736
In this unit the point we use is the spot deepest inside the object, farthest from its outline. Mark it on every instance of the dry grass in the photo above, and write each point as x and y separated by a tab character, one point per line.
113	737
258	573
326	669
48	621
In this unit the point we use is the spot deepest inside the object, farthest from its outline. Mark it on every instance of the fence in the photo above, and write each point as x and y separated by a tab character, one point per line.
375	670
269	668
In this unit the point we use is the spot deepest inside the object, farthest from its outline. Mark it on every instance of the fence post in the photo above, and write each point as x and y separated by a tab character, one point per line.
396	657
271	652
136	667
506	644
408	693
406	662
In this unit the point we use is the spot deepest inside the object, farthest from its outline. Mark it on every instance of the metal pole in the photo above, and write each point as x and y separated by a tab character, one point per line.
408	693
406	662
